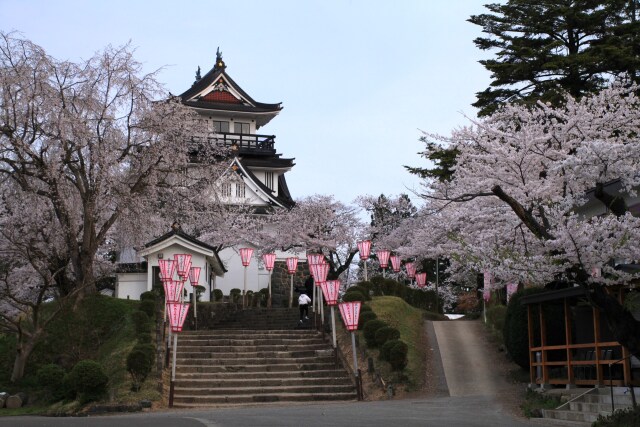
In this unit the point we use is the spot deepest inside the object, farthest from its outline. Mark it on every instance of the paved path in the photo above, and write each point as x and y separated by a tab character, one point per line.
468	367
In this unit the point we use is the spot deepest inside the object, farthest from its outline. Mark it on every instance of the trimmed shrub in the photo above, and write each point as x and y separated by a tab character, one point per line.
385	350
369	331
360	289
365	307
148	349
385	334
495	317
149	307
139	367
217	295
365	317
148	295
398	356
51	377
87	381
235	295
353	296
144	338
141	322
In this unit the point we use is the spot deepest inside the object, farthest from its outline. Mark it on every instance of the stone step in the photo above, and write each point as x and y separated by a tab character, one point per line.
254	368
186	401
568	415
249	348
265	382
618	400
222	332
264	375
269	361
239	354
189	342
235	391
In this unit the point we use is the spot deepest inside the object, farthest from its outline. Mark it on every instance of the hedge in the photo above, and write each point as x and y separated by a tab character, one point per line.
87	381
385	334
365	317
369	331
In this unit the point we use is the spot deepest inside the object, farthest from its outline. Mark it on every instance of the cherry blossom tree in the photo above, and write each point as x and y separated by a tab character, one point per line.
86	149
531	198
316	223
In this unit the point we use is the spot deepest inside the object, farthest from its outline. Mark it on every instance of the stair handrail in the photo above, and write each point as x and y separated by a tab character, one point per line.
575	398
633	393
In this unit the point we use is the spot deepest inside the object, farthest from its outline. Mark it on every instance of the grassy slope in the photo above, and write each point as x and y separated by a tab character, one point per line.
101	330
410	322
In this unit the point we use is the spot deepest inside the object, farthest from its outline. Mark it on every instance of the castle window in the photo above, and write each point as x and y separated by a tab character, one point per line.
225	189
220	126
268	180
242	127
240	190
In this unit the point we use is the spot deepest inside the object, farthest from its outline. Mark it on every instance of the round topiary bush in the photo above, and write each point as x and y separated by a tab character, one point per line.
385	350
365	317
217	294
365	307
385	334
50	377
88	381
148	306
139	367
369	331
144	338
361	289
148	295
234	295
148	349
141	322
351	296
398	356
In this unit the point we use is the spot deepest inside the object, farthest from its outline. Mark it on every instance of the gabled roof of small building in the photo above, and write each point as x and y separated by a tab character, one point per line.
177	234
217	91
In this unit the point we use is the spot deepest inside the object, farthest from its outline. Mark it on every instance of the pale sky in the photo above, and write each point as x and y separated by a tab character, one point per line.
358	79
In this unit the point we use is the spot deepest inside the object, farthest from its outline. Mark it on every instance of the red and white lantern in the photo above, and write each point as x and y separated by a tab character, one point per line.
383	257
269	261
245	256
173	290
183	264
411	269
330	290
350	312
396	262
292	265
320	272
421	279
364	247
177	315
194	275
167	269
313	259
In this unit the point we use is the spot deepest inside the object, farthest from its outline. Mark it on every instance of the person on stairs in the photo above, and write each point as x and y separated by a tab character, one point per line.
303	303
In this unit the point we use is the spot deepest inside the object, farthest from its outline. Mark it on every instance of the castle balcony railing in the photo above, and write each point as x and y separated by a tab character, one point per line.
241	142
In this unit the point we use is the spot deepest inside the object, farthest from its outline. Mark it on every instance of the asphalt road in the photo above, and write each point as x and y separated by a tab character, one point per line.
474	396
467	411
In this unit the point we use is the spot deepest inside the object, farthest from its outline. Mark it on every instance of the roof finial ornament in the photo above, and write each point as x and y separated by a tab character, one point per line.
219	62
175	226
198	76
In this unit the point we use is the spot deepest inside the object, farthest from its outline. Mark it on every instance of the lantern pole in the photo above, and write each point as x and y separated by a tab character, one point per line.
244	290
291	292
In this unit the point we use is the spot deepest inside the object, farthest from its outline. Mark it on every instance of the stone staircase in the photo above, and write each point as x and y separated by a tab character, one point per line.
237	365
260	319
585	408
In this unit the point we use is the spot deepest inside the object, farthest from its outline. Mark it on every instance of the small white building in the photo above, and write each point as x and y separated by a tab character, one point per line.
132	279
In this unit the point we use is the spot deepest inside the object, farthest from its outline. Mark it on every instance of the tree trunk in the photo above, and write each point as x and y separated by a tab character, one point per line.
22	355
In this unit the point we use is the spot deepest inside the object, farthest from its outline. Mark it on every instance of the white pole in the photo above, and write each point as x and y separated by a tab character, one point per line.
333	327
291	293
195	311
244	292
269	300
175	349
355	356
321	302
366	279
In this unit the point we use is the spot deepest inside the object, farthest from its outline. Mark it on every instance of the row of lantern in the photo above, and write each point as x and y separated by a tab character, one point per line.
175	307
384	255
